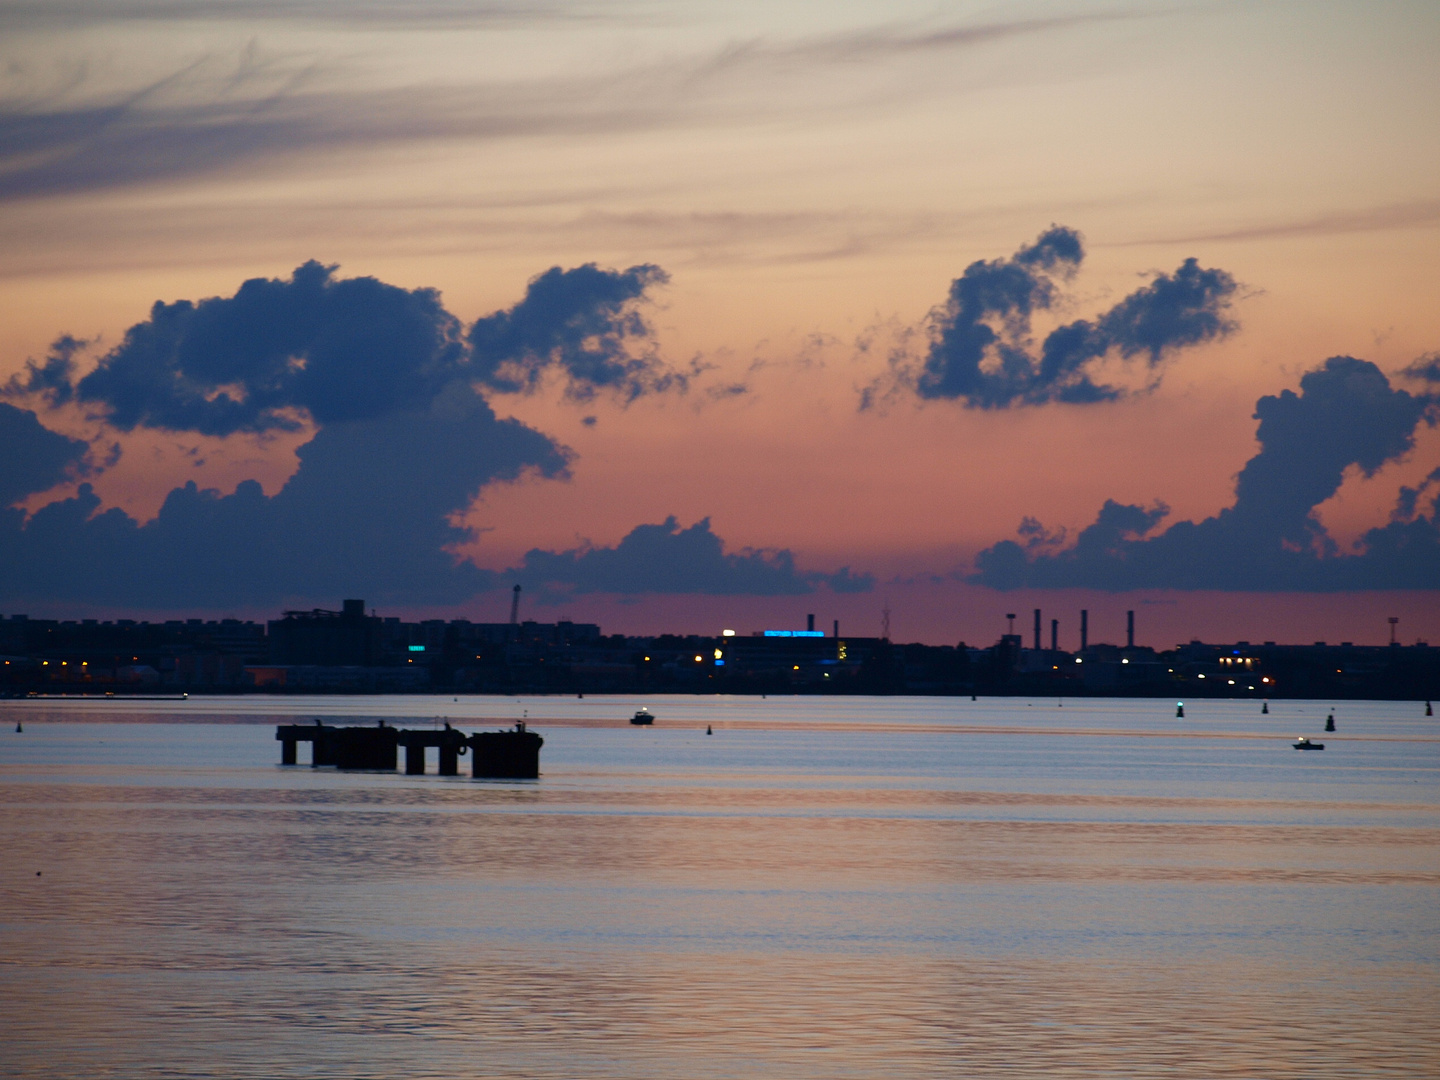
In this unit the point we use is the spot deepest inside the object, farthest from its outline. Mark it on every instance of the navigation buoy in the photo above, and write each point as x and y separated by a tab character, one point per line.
1180	710
973	697
708	731
1265	709
1330	722
1428	710
19	727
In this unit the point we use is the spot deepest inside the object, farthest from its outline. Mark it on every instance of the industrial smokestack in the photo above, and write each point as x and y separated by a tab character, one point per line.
1084	629
810	623
1054	635
837	627
1129	629
515	607
1037	629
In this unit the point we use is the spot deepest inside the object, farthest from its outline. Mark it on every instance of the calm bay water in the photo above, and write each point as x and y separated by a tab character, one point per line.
823	888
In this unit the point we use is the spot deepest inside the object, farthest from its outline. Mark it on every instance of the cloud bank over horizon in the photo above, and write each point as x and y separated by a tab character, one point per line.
1346	415
405	440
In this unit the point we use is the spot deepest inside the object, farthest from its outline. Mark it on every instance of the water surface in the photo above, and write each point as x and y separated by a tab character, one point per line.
822	888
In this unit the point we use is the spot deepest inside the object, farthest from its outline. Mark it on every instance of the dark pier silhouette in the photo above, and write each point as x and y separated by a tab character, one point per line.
507	755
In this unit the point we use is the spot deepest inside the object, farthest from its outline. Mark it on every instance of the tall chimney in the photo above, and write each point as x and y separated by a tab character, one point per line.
837	627
810	623
1037	629
1084	629
1054	635
1129	629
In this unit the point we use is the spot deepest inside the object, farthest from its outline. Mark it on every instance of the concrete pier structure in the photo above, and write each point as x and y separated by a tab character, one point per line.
508	755
512	755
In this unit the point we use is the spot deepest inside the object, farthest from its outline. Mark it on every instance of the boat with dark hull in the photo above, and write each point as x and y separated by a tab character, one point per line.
1302	743
643	717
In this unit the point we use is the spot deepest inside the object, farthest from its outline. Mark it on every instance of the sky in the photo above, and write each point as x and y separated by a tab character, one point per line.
696	315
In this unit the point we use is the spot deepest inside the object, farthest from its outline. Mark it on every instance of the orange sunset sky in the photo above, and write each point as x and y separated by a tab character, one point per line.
811	179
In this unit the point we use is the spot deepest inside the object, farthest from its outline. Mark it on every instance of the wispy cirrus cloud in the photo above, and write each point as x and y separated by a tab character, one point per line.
80	13
1406	215
62	133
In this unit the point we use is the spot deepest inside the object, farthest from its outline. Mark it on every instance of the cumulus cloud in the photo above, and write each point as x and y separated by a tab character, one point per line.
1346	415
666	558
339	350
582	322
367	513
32	457
404	441
981	350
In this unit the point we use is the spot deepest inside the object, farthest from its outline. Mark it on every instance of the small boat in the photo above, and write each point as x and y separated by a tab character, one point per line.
1302	743
643	716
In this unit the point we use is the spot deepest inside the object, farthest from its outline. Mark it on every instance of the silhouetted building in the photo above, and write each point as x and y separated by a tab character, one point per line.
344	638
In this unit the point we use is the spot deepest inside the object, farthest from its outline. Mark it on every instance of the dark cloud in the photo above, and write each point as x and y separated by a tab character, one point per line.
582	322
32	457
1426	368
981	349
403	443
50	379
1346	415
342	350
337	350
366	514
666	558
